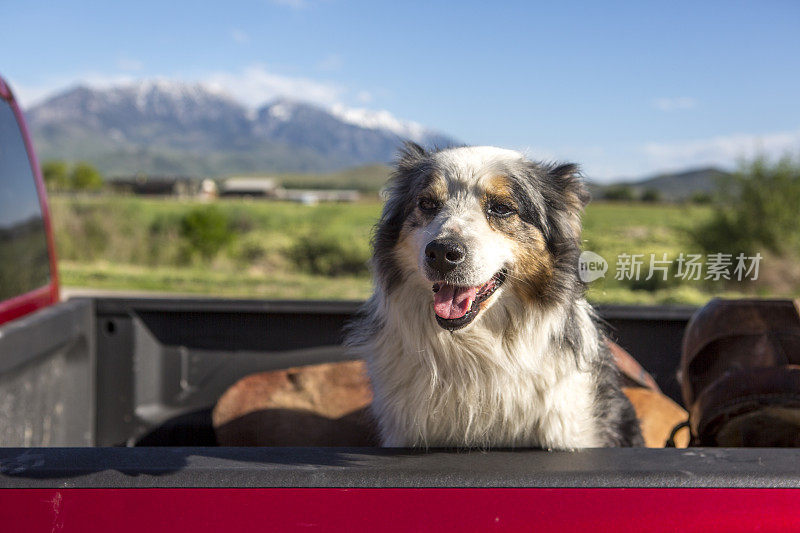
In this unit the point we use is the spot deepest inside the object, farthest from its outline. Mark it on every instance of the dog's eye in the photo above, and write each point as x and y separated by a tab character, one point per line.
427	205
499	209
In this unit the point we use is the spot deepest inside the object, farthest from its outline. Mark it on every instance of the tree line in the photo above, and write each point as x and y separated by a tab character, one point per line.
62	176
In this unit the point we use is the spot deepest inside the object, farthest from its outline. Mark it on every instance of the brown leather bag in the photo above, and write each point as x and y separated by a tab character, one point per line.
740	373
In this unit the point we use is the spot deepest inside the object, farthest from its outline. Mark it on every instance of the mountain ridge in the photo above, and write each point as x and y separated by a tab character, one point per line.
680	185
169	127
157	127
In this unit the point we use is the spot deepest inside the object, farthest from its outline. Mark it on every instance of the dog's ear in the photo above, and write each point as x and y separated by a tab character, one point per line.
569	199
412	163
410	156
568	178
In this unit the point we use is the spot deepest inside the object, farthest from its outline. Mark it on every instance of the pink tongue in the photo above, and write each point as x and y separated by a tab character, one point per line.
453	302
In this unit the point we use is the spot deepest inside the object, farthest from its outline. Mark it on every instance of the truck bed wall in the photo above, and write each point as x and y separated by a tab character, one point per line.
109	371
47	377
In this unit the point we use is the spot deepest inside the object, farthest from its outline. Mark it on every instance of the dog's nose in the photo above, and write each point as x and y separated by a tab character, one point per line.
443	255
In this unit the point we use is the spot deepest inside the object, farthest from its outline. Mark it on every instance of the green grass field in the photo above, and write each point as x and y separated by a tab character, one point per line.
286	250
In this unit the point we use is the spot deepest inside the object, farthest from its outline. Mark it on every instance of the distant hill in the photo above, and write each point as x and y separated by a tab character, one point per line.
370	178
164	127
672	186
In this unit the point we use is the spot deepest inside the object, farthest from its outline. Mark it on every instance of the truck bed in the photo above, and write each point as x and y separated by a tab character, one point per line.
126	372
114	393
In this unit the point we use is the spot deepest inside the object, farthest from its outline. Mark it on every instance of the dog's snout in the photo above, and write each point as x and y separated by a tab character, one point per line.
443	255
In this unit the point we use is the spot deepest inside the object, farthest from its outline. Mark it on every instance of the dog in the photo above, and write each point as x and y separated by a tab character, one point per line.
478	334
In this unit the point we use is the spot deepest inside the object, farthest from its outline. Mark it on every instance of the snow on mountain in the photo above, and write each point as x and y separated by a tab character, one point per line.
180	120
281	111
381	120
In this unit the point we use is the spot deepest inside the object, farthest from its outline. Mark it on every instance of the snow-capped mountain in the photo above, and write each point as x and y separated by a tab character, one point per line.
173	127
380	120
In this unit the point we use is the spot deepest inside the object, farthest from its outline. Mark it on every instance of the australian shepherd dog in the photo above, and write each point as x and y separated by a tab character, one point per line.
478	333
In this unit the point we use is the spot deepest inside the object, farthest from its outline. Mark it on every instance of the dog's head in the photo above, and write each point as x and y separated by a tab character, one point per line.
472	225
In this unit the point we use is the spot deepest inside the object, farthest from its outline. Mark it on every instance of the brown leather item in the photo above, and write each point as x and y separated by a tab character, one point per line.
326	405
658	415
633	374
316	405
739	373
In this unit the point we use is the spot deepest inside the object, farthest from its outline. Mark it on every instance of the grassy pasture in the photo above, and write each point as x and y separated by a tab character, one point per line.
286	250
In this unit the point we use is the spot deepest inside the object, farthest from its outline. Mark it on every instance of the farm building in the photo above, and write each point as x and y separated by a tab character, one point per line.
160	185
251	187
315	196
263	187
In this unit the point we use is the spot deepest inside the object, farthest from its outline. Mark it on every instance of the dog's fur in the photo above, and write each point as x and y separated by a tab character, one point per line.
528	368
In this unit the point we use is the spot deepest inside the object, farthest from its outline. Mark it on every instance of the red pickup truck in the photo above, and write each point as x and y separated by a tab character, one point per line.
28	279
105	421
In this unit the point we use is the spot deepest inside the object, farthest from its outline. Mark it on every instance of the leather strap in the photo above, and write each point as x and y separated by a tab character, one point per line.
630	368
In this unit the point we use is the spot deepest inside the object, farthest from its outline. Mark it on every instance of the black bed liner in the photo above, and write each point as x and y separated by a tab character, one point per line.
375	467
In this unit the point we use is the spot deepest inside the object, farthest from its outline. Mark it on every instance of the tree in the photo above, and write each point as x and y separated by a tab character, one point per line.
702	198
757	208
621	193
84	177
651	196
56	175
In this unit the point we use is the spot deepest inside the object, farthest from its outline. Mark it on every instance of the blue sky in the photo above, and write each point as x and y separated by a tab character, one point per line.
626	89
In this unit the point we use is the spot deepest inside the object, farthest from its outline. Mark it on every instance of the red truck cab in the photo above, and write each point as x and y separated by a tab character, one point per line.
28	275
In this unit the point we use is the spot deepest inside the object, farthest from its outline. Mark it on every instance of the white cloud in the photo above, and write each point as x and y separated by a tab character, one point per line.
680	103
252	86
723	150
30	95
628	161
256	84
240	36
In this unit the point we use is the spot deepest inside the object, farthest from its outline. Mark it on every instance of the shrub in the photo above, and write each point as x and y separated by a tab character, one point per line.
84	177
651	196
701	198
757	207
206	230
618	193
164	242
241	222
329	255
249	250
56	175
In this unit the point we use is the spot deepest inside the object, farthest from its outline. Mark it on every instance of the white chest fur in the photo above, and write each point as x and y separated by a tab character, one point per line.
506	381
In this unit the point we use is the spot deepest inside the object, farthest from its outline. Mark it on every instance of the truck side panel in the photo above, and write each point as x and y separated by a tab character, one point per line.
348	510
47	377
